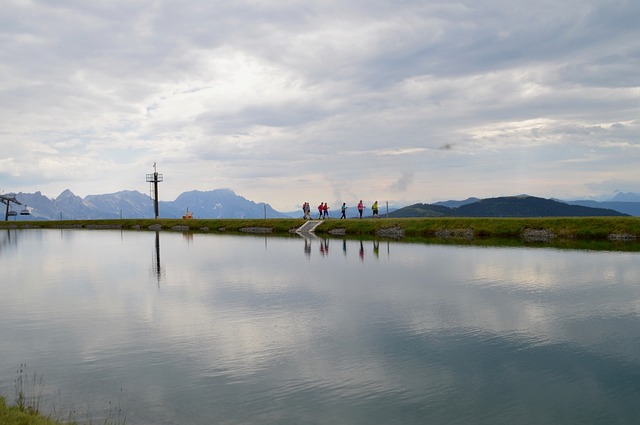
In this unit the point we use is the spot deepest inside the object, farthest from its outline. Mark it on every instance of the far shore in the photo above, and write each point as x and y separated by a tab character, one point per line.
543	229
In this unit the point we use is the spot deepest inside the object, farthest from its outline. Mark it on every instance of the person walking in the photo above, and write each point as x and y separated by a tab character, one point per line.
307	211
344	211
325	209
360	207
374	208
320	210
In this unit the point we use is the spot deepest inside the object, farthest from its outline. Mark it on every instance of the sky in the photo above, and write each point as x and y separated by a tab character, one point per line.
287	101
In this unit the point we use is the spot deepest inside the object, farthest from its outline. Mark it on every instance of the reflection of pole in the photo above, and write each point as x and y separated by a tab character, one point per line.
158	252
157	268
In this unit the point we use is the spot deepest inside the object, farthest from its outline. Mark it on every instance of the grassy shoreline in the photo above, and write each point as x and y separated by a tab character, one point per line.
13	415
586	228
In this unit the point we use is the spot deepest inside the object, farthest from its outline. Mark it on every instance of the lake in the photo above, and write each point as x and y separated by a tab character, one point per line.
172	328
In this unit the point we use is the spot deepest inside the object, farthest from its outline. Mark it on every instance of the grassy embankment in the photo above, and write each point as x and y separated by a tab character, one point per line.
26	415
13	415
26	410
589	228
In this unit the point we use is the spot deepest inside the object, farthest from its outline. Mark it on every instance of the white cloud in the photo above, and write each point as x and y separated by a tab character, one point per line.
283	101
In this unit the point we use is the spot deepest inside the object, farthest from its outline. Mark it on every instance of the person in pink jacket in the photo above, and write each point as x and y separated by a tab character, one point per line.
361	207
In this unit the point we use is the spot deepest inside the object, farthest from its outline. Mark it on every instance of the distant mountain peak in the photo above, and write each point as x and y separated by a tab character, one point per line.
456	204
67	193
626	197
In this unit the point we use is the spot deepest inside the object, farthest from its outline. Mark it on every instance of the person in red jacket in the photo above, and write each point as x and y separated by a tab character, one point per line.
320	210
361	207
325	209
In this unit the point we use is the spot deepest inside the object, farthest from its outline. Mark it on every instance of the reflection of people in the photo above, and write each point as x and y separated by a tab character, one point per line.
344	211
324	247
307	247
376	248
374	208
360	207
344	246
361	251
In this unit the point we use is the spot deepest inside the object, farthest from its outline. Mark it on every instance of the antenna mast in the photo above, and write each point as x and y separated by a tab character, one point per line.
154	179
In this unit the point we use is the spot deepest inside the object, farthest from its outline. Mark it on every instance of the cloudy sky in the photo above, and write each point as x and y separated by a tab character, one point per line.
289	101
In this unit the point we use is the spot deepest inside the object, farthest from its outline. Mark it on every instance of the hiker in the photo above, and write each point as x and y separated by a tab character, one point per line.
374	208
320	210
325	209
344	211
360	207
307	211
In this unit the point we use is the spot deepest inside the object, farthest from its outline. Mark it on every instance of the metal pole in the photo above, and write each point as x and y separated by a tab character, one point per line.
155	191
155	178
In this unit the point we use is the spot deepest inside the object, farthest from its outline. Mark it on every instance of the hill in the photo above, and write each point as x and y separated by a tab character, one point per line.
508	206
630	207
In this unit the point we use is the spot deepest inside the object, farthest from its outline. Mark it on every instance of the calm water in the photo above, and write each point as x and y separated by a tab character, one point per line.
209	329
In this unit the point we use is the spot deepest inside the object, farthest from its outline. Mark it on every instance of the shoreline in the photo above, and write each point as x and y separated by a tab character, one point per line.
543	229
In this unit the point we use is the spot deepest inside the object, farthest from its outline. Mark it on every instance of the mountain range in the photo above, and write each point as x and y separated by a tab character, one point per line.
506	206
224	203
219	203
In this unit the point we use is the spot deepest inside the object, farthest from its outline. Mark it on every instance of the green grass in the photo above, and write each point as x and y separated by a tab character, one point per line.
580	227
26	409
588	228
208	225
13	415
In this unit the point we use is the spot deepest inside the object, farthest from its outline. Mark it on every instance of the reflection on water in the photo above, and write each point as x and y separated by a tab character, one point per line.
156	268
246	329
321	246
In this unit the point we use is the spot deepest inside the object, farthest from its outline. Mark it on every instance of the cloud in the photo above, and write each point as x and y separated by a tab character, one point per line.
402	183
265	97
